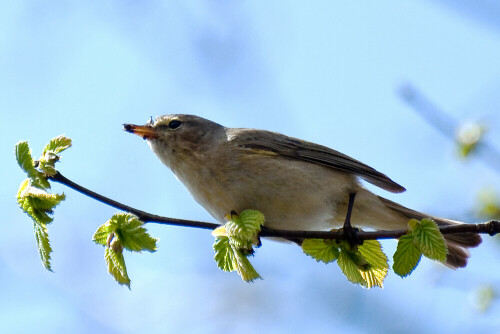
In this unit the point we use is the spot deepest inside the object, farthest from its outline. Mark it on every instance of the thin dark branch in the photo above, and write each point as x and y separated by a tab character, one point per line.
492	227
142	215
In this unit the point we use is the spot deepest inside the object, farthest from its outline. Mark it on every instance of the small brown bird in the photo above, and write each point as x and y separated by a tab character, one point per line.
296	184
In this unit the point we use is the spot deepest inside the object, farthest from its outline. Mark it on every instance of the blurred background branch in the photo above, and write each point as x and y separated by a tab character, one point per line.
469	136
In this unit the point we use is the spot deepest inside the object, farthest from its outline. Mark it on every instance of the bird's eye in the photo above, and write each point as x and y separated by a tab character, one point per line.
174	124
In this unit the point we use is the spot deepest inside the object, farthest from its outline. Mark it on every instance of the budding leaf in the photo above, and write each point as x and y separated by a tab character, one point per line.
37	203
406	257
244	268
224	254
129	229
245	226
430	240
57	144
24	158
469	138
25	161
321	250
233	243
43	244
122	231
101	235
230	258
49	156
116	266
32	196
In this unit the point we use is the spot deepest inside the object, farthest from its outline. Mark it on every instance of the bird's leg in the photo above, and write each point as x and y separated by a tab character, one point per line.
349	231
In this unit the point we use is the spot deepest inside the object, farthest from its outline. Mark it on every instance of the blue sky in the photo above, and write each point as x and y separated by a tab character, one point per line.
325	71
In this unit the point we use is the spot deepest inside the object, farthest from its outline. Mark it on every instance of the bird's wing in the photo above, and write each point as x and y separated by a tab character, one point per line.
305	151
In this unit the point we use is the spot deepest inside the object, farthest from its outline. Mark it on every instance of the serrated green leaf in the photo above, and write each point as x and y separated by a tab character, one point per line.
230	258
101	235
350	268
24	158
413	224
57	144
38	216
25	161
223	254
246	225
36	202
321	250
129	229
123	230
233	243
371	250
244	268
378	267
374	277
43	244
116	266
22	188
430	241
406	257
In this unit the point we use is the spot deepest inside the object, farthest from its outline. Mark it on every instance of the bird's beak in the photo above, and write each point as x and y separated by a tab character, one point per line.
145	131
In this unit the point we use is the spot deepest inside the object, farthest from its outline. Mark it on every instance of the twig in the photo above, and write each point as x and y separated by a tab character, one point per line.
142	215
492	227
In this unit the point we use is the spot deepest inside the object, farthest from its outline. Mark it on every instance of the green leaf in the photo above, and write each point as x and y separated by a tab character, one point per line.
32	196
57	144
378	267
37	203
223	254
245	226
371	250
116	266
43	244
233	243
50	154
101	235
349	266
25	161
430	241
365	265
230	258
373	277
129	229
406	257
47	166
123	230
244	268
321	250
